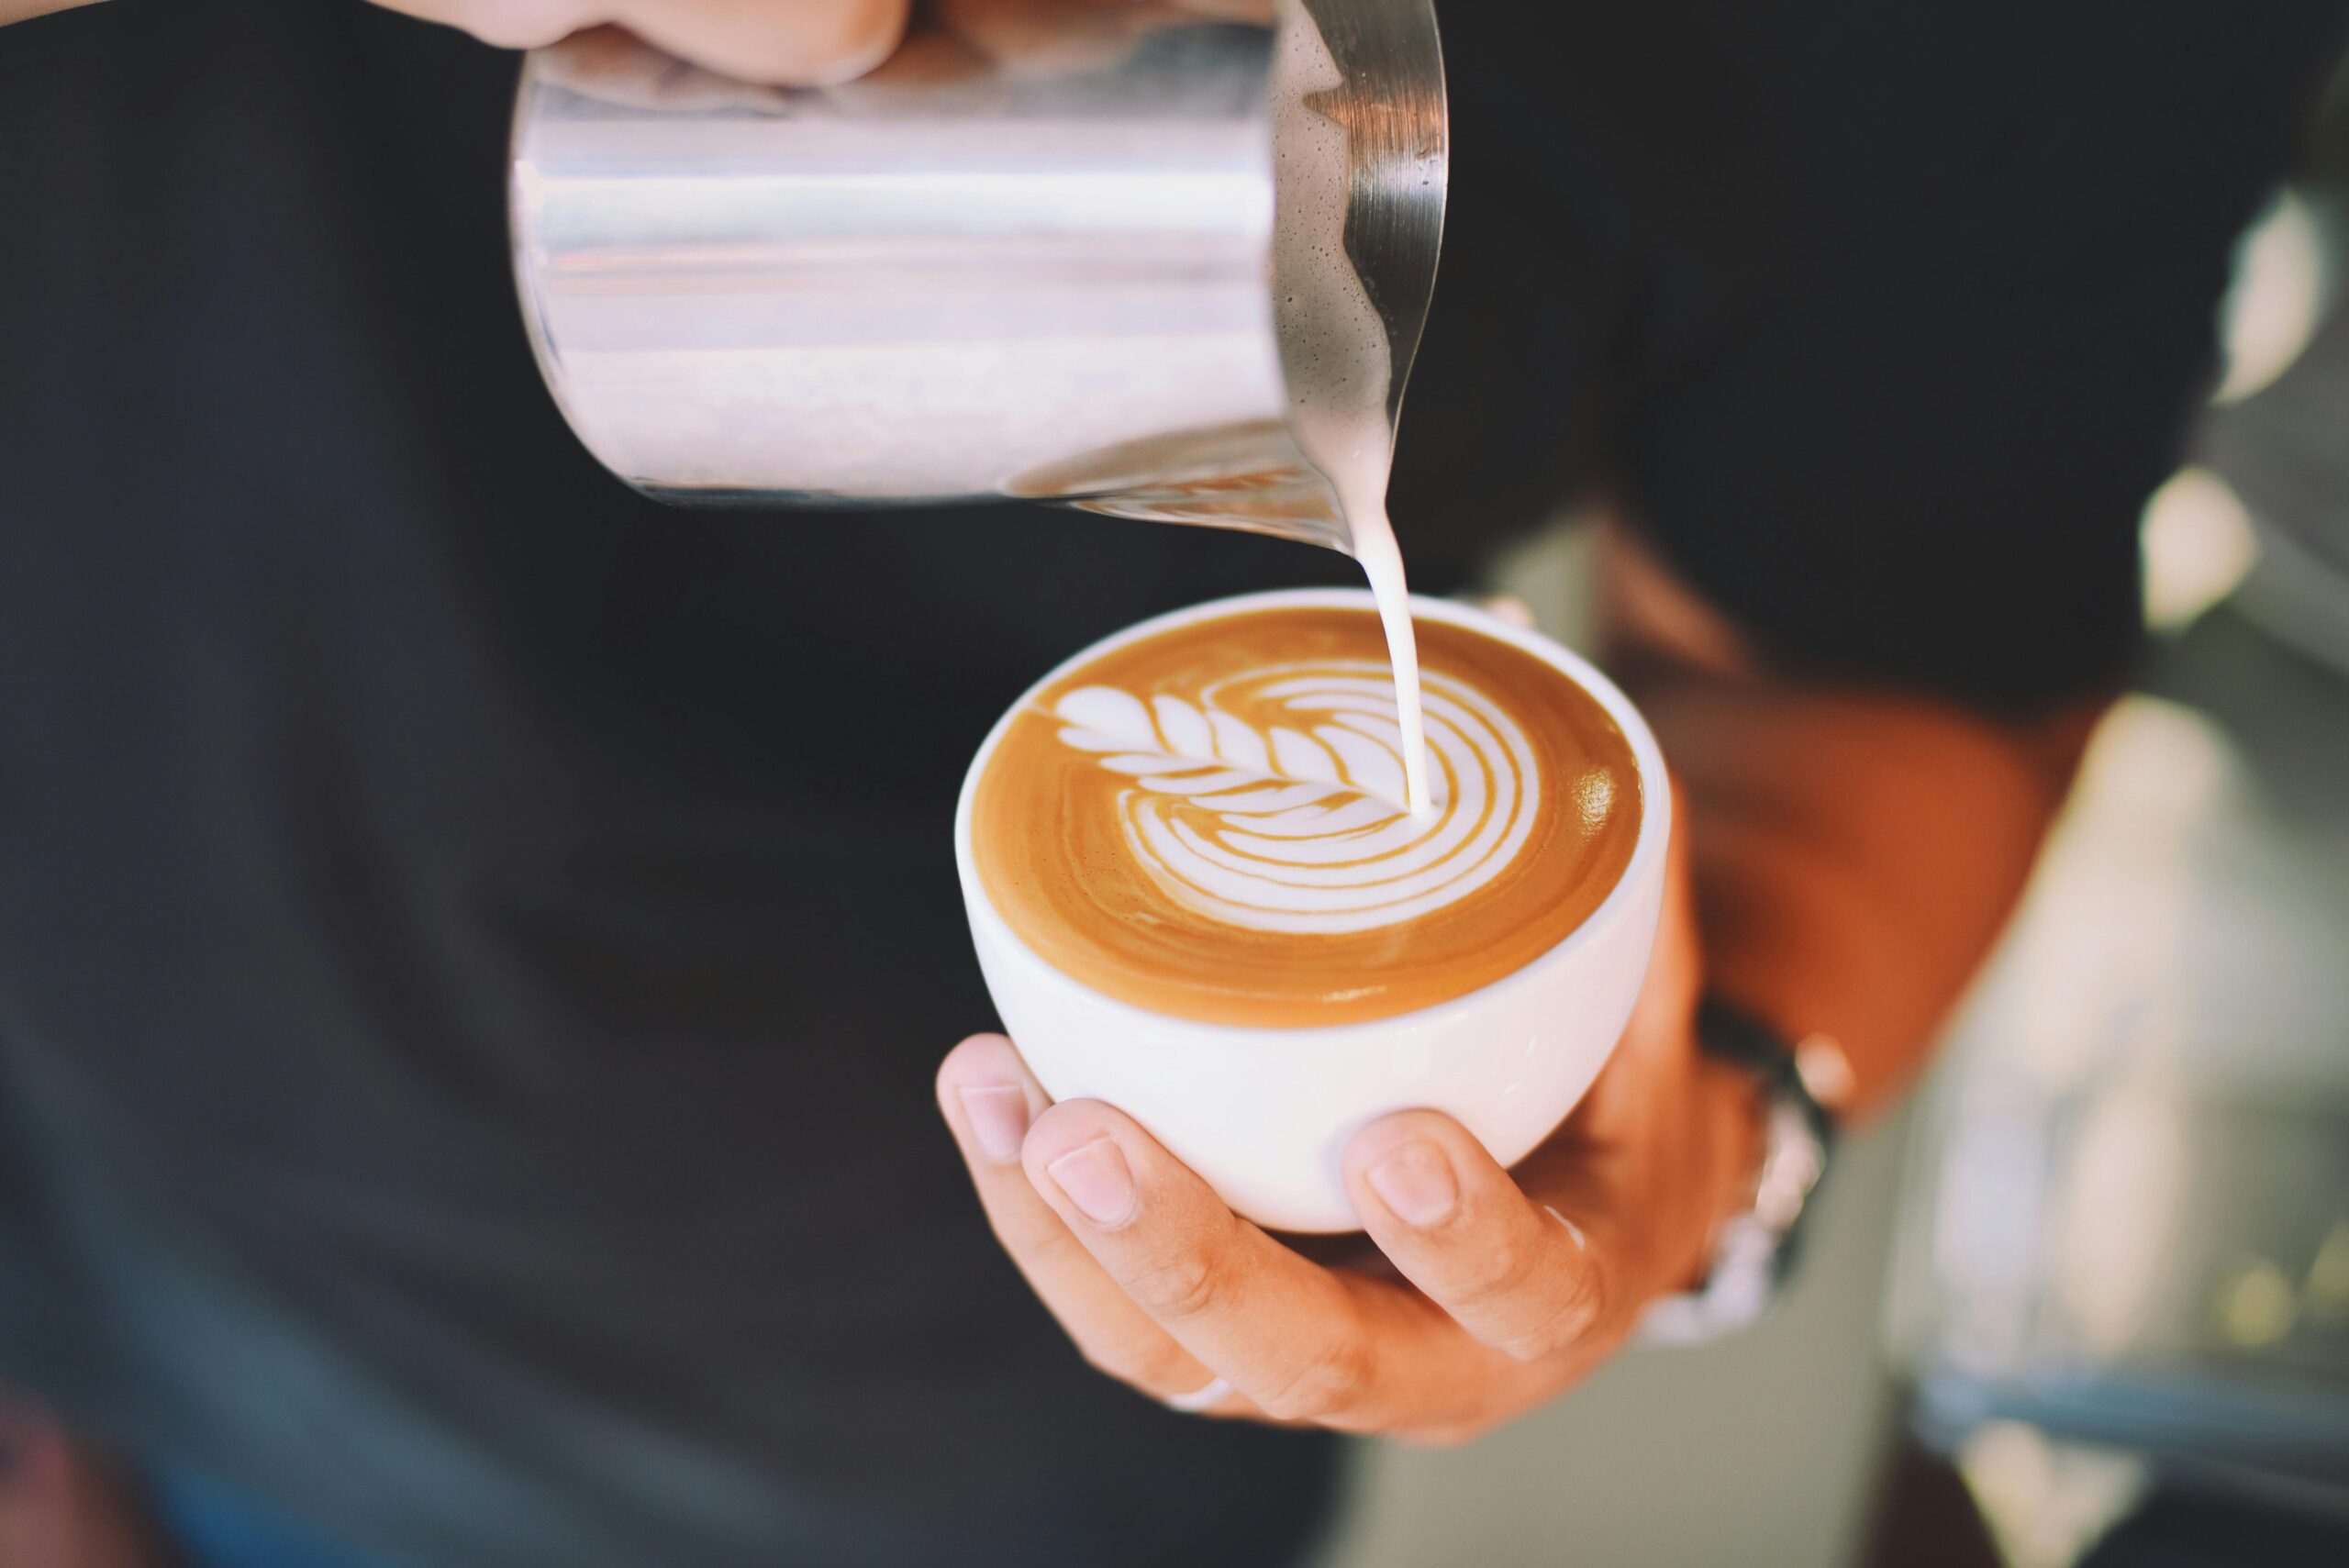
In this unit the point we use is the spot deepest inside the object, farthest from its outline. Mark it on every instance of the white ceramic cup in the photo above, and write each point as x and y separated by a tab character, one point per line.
1264	1115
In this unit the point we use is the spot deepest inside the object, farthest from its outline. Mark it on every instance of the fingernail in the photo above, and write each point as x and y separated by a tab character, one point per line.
999	1116
1416	1183
1098	1181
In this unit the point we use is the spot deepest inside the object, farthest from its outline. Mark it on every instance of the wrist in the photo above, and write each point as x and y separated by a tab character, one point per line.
1733	1120
1776	1162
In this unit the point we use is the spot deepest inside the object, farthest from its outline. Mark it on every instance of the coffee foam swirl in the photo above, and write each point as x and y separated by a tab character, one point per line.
1301	826
1208	820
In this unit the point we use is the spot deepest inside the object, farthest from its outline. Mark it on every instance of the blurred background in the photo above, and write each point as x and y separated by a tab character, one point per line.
2096	1278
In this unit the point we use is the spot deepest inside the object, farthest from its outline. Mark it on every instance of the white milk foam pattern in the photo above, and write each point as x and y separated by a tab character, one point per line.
1303	829
1334	352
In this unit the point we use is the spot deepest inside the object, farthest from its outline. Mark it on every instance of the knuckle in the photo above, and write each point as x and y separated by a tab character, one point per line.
1183	1285
1329	1384
1569	1321
1494	1275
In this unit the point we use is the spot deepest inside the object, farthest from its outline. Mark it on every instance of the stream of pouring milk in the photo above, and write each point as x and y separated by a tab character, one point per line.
1334	354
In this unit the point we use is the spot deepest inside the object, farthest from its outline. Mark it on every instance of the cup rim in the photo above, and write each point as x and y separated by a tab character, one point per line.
1647	852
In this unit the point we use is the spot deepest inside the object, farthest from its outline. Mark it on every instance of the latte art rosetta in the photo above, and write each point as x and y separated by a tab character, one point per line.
1211	820
1301	826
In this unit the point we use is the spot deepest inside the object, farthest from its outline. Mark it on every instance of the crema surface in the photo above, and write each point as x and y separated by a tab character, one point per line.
1210	822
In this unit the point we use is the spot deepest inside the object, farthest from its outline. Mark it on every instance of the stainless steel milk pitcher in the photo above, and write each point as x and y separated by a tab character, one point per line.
1035	267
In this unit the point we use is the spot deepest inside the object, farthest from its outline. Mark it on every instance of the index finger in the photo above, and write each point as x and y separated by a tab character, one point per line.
990	1097
1305	1343
1517	1275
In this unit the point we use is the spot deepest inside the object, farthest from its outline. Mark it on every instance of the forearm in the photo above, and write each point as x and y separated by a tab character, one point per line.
1856	852
21	10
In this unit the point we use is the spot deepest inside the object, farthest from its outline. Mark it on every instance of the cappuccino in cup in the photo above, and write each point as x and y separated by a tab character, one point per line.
1211	822
1199	891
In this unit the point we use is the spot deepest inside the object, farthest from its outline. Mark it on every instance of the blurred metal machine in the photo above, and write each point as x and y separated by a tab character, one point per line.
2127	1222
